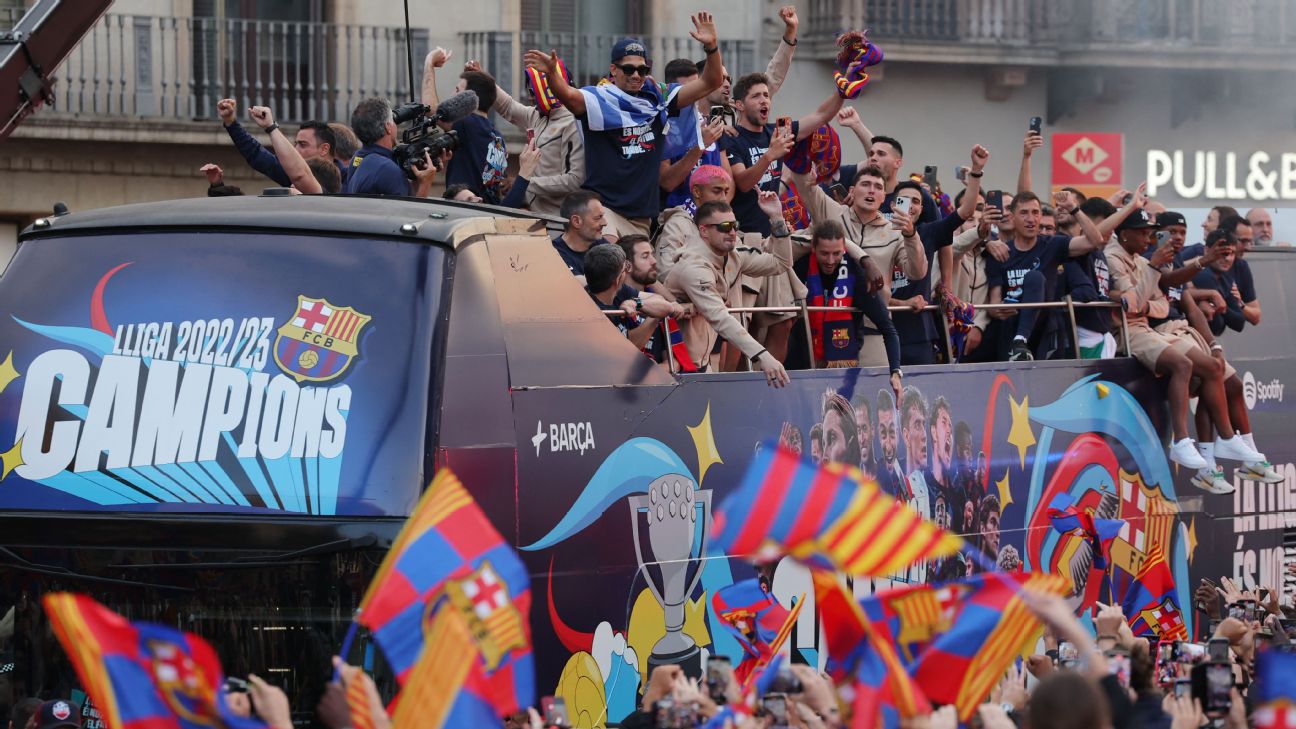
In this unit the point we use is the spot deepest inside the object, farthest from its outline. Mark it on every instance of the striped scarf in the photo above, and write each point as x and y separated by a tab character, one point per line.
608	107
538	81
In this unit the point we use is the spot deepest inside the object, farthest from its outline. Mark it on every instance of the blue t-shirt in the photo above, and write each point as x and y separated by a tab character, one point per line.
374	173
1047	254
920	326
1232	317
1241	271
930	211
746	149
1087	279
682	194
480	159
623	165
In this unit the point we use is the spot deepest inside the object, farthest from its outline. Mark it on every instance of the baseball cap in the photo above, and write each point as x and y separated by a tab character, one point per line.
629	47
1136	220
1169	218
57	713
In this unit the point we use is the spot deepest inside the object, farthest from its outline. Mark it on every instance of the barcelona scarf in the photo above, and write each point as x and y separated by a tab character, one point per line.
833	332
140	675
856	54
827	516
675	338
821	152
538	82
451	574
1067	516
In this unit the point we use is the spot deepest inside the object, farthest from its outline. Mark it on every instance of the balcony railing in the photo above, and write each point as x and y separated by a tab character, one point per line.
1240	25
178	68
586	55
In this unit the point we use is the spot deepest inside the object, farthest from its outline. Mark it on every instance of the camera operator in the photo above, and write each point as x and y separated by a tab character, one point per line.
373	171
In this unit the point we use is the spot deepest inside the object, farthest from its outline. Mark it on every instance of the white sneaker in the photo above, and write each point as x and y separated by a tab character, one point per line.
1185	454
1236	449
1262	471
1212	481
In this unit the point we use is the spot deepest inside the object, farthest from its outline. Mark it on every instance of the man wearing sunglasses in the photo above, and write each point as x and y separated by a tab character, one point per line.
624	123
709	276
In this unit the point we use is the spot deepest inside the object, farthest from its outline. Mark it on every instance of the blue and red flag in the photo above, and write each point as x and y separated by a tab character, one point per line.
676	341
830	517
1149	602
1274	692
757	620
448	558
989	627
1068	517
141	675
862	653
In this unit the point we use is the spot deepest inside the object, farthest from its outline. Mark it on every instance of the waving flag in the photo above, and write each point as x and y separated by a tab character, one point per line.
448	557
827	516
140	675
1274	692
1067	517
1149	602
757	620
861	652
988	629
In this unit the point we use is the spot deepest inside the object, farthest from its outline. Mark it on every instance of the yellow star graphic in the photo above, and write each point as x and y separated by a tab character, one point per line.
1020	434
1005	494
1192	539
7	372
12	459
704	442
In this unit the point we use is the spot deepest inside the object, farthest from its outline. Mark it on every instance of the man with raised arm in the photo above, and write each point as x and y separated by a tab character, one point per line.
624	123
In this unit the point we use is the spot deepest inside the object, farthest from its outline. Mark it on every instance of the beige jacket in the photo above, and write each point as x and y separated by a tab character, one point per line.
970	275
562	151
712	282
1133	274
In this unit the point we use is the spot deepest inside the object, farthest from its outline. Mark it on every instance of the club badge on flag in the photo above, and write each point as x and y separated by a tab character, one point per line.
141	675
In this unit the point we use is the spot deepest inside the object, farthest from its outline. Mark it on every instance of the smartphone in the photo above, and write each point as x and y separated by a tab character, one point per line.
775	704
900	205
718	110
1118	664
530	136
719	671
1067	652
1036	125
1217	650
929	176
994	198
1190	653
1289	627
784	122
1162	238
1219	684
1244	610
555	711
1183	688
961	173
235	685
837	191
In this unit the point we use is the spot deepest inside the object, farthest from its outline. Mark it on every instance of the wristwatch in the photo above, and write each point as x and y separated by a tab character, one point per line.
756	356
638	304
273	126
898	372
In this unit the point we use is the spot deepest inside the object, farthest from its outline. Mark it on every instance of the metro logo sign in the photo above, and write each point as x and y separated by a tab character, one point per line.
1090	161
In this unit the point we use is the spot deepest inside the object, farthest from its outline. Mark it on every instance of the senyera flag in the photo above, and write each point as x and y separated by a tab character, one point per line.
141	675
450	578
830	517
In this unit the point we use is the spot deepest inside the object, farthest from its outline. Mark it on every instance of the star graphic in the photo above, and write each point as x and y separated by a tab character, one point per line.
12	459
1005	494
704	442
7	372
1020	434
1192	538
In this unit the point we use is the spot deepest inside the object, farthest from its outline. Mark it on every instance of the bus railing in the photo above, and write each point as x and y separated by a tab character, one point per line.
803	310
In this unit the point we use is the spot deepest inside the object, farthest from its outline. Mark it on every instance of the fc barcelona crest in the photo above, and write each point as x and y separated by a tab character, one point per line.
319	341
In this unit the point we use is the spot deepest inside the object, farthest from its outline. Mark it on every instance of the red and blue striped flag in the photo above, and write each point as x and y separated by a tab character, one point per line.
676	341
1066	516
141	675
450	575
1274	693
757	620
830	517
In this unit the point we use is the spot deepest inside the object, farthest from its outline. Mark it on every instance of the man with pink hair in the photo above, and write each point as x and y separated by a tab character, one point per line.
708	183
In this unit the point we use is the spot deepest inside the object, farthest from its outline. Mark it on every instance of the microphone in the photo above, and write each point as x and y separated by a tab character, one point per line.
456	107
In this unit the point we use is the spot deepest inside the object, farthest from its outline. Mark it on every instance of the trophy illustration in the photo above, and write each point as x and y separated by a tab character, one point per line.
677	539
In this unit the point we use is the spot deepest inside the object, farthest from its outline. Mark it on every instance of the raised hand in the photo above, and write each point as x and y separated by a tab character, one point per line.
849	117
780	144
541	61
227	109
437	57
712	131
473	66
1031	143
215	175
262	116
980	156
770	204
528	161
788	14
704	29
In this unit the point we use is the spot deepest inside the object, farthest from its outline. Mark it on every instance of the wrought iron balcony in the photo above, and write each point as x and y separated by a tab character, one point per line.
1169	33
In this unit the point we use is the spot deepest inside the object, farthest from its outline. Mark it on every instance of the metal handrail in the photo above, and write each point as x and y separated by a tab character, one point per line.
804	311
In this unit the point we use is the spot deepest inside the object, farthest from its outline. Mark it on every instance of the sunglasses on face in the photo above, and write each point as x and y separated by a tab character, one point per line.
727	226
630	69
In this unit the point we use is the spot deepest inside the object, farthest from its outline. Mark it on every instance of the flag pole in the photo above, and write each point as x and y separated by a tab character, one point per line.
346	648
